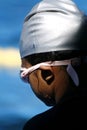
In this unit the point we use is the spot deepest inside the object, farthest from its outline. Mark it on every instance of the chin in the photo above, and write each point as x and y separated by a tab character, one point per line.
48	101
49	104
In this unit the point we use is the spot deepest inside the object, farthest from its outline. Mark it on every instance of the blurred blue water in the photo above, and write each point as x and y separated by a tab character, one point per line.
12	14
17	101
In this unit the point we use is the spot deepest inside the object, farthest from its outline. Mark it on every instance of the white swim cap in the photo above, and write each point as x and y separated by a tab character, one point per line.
52	25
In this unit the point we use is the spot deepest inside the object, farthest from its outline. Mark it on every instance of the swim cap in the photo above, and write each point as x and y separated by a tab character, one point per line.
53	25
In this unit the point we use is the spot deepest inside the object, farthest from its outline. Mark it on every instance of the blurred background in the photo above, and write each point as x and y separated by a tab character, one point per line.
17	101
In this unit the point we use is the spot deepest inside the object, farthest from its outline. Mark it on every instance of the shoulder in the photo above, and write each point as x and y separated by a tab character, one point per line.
69	113
40	121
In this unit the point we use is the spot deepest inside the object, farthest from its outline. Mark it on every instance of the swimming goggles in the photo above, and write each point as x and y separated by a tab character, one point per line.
24	72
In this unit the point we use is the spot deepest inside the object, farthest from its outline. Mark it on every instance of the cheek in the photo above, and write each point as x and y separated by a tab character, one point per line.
39	86
34	82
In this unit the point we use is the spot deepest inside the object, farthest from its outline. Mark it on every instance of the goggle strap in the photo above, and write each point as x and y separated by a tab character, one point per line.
72	73
25	71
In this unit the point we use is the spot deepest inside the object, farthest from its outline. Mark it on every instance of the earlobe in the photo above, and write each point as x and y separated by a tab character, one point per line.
48	76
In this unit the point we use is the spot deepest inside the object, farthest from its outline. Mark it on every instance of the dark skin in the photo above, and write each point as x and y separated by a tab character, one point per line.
48	83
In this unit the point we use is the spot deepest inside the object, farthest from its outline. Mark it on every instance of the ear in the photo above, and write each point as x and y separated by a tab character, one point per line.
47	74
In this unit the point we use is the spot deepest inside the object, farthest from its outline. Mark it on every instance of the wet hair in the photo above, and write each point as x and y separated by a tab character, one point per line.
53	56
